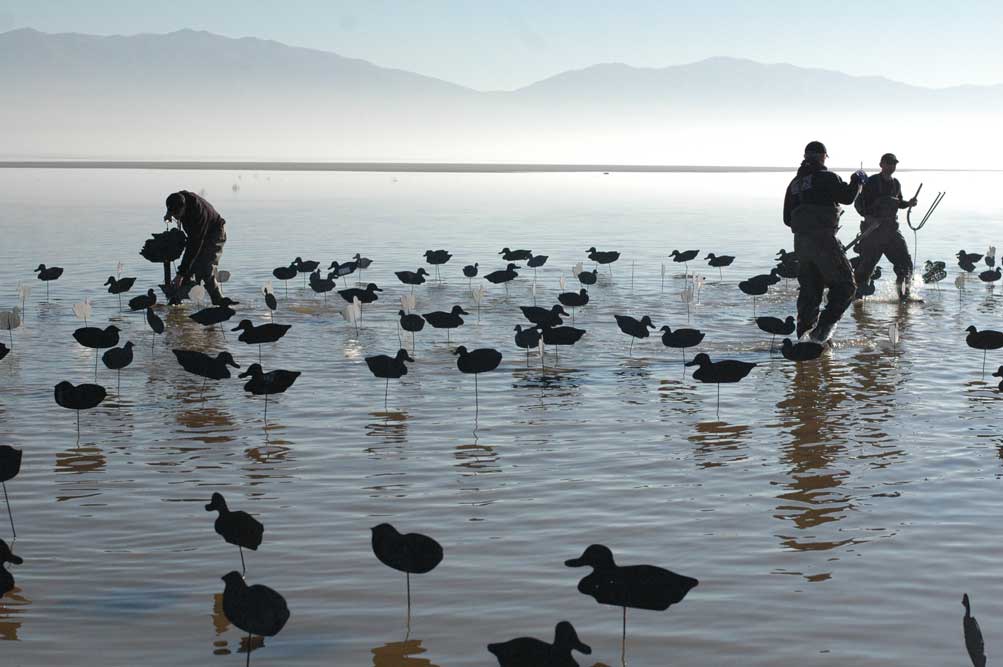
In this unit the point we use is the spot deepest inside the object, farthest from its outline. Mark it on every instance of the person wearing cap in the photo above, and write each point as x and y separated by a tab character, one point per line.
206	231
879	202
812	209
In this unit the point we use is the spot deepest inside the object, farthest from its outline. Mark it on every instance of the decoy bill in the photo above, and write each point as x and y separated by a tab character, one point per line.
411	553
10	466
257	610
531	652
6	578
974	643
235	527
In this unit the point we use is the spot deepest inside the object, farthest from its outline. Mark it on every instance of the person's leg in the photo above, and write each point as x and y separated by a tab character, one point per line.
809	283
897	252
870	249
206	267
837	275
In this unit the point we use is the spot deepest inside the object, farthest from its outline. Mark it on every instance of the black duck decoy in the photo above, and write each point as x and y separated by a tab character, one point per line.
719	261
342	269
973	635
475	362
237	528
515	255
321	285
270	300
143	301
119	286
503	276
217	314
6	578
118	358
470	270
443	320
80	397
47	275
758	285
634	328
719	372
389	368
412	278
305	267
285	274
362	262
805	351
531	652
685	256
588	277
204	366
681	338
257	610
999	374
934	272
155	323
4	351
991	276
562	335
96	338
544	317
984	340
412	322
266	384
776	327
367	295
10	466
527	339
263	333
536	261
966	260
603	256
437	258
574	300
411	553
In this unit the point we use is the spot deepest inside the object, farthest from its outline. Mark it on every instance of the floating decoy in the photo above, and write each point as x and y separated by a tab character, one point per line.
973	635
155	323
634	328
776	327
80	397
119	286
47	275
143	301
411	278
97	339
257	610
4	351
991	276
544	317
719	261
574	300
320	285
411	553
719	372
367	295
503	276
984	340
443	320
804	351
6	578
412	322
389	368
218	314
285	274
515	255
636	586
265	384
531	652
476	362
340	270
263	333
10	466
603	257
588	277
681	338
685	256
118	358
237	528
204	366
436	258
966	260
526	339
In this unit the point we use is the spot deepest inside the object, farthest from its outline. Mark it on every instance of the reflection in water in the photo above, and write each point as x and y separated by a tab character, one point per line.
475	459
79	461
205	422
719	443
391	427
11	607
220	625
399	654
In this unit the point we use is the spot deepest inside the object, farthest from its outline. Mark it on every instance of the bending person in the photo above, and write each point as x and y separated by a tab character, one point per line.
206	233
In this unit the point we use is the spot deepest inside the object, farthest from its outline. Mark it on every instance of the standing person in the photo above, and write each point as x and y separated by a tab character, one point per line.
206	233
879	202
812	210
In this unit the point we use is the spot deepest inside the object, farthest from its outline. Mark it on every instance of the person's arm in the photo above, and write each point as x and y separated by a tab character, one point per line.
905	204
788	206
194	245
844	193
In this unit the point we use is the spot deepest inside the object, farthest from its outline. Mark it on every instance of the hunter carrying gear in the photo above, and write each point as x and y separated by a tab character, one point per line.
879	202
206	233
812	210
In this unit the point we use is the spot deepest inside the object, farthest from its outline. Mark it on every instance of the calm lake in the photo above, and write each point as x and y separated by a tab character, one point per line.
834	511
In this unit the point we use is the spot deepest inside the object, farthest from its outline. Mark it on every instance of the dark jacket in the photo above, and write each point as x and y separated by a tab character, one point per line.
202	224
882	198
813	197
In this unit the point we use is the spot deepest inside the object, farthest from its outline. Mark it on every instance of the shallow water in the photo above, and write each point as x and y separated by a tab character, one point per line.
834	512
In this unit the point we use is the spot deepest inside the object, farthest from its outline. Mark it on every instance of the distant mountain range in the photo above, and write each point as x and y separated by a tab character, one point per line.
196	95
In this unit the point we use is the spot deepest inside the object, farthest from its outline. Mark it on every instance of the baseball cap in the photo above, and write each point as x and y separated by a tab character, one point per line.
175	204
816	147
889	158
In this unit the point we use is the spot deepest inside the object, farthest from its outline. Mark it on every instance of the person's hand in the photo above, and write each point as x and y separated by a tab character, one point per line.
176	283
911	202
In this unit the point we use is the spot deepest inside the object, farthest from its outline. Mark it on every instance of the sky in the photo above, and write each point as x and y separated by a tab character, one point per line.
506	45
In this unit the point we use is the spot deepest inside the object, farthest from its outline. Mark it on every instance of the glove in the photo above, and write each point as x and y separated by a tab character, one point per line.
859	176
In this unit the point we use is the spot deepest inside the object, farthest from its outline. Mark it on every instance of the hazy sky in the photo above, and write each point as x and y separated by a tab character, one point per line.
508	44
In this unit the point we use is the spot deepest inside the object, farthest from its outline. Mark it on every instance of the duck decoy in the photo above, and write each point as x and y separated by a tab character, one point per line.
634	328
804	351
342	269
991	276
470	271
10	466
305	267
719	261
270	300
411	553
966	260
544	317
867	289
536	261
603	257
237	528
143	301
503	276
934	272
263	333
97	339
476	362
588	277
574	300
80	397
362	262
561	336
437	258
367	295
156	325
681	338
118	358
47	275
6	578
257	610
4	351
204	366
443	320
412	278
412	322
389	368
973	635
685	256
217	314
515	255
526	339
321	285
265	384
776	327
758	285
999	374
636	586
119	286
984	340
285	274
719	372
531	652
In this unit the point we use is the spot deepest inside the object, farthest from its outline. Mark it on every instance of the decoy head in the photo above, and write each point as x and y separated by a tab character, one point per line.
150	292
596	556
401	313
558	309
334	265
789	320
518	328
673	253
646	322
227	358
128	345
383	531
461	351
565	635
371	287
998	373
787	344
110	281
504	250
961	253
457	310
666	329
427	253
402	355
226	301
216	503
233	578
710	255
298	260
254	370
111	328
972	329
475	265
41	267
512	267
421	272
357	256
700	360
244	324
7	556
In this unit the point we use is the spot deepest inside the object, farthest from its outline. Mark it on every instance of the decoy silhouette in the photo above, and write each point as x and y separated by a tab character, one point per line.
603	257
10	466
80	397
263	333
389	368
412	322
4	351
436	258
362	262
237	528
759	285
991	276
47	275
805	351
531	652
412	278
999	374
476	362
719	372
776	327
286	273
588	277
6	578
321	285
574	299
681	338
217	314
411	553
305	267
97	339
270	300
515	255
634	328
503	276
719	261
685	256
155	323
118	358
984	340
340	270
367	295
536	261
265	384
561	336
119	286
470	270
788	265
257	610
934	272
526	339
544	317
867	289
990	258
973	635
143	301
636	586
966	260
443	320
204	366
